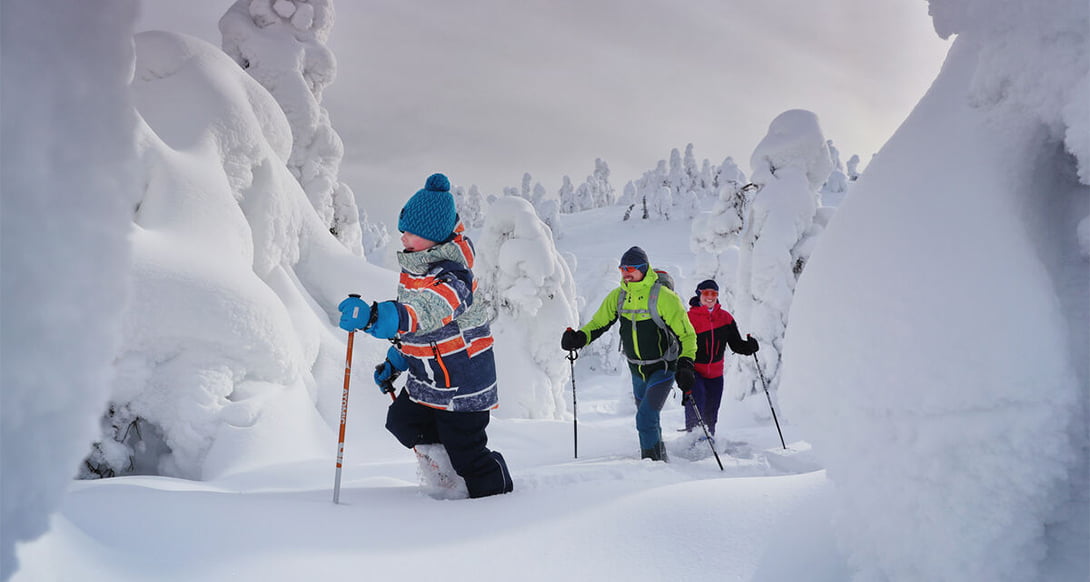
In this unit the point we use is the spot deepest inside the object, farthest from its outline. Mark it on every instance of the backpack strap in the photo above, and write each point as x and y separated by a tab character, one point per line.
673	349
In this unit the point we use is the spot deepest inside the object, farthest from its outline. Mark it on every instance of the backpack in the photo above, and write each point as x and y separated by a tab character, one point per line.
674	348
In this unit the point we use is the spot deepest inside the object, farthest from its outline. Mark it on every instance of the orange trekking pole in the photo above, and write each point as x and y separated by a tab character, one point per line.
344	416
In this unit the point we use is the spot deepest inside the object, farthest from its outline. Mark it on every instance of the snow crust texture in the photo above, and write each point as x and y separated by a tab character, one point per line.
942	370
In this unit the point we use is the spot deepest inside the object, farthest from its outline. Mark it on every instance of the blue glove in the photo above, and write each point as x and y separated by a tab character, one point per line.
354	313
386	323
395	357
390	369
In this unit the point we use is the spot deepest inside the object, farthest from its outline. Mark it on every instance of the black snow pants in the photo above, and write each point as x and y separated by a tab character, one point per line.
461	433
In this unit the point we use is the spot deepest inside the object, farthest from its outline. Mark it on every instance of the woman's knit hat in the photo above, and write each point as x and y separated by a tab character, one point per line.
430	213
705	284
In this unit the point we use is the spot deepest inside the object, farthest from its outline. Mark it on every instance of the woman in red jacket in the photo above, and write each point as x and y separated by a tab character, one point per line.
715	330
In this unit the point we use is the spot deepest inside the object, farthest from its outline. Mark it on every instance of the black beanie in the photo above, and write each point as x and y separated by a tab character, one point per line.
636	256
707	284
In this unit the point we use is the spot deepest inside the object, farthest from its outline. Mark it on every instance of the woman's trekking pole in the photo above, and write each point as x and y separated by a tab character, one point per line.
572	356
707	436
770	407
344	416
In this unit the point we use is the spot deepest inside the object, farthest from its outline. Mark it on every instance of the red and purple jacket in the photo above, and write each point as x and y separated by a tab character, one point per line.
715	330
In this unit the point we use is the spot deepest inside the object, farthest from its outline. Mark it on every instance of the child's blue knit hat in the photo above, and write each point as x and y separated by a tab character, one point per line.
430	213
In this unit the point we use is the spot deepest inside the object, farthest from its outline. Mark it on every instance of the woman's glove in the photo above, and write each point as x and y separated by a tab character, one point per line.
751	345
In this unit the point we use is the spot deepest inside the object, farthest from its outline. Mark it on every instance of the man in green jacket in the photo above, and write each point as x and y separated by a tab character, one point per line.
655	354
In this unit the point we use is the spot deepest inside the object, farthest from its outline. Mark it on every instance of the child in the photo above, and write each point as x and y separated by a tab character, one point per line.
443	339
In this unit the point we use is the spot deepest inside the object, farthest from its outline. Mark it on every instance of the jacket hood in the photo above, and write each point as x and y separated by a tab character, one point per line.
458	249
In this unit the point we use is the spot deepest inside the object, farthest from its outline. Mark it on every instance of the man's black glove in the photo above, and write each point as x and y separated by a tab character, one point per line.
751	345
573	339
685	376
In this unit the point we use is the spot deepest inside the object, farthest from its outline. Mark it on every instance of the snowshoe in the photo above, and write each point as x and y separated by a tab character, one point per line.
693	446
437	476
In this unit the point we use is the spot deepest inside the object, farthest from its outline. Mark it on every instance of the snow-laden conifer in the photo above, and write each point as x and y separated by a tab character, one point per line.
789	166
532	292
282	45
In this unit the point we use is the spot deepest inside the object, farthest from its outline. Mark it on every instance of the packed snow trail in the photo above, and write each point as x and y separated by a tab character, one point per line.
605	515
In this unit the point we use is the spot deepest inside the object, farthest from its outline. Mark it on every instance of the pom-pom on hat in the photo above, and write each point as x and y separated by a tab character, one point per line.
635	256
707	284
430	213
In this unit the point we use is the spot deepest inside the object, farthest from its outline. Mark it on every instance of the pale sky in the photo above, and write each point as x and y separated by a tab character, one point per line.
485	90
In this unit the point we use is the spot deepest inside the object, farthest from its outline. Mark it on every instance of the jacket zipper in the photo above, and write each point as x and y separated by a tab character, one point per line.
442	366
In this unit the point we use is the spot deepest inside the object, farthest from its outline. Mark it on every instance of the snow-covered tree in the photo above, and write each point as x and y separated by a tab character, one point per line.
469	205
789	166
628	194
603	191
651	199
690	188
835	187
281	44
527	187
853	168
538	194
549	212
547	208
226	335
375	235
661	203
584	196
567	196
676	178
707	178
715	234
691	171
687	204
531	289
728	174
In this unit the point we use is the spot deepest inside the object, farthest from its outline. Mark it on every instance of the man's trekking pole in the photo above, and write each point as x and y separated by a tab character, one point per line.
572	356
700	421
344	415
770	407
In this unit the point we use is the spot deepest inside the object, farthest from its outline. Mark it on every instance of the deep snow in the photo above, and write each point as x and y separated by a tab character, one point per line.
935	357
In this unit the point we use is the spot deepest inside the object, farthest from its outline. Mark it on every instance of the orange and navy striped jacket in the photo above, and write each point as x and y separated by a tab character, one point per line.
444	334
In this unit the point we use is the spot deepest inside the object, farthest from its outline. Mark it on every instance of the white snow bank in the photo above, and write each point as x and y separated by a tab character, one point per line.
68	190
928	353
228	333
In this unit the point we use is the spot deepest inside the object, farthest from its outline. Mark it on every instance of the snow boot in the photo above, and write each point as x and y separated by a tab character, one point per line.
437	476
656	453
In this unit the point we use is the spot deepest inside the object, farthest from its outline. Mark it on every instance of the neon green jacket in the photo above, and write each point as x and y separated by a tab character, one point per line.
641	338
